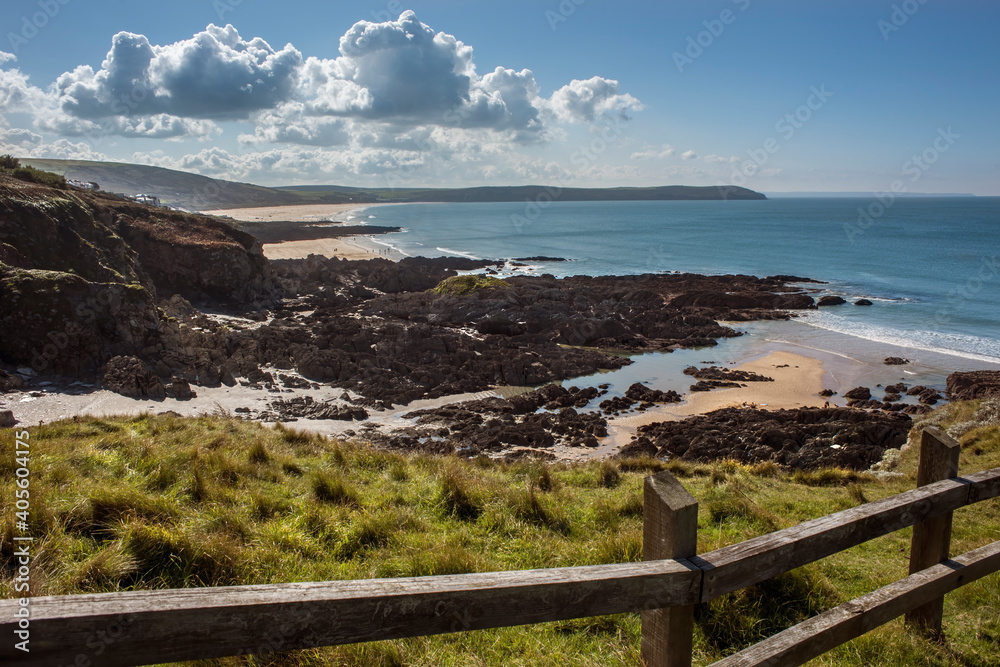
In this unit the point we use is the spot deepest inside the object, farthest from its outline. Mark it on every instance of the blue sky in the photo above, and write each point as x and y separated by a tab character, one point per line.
774	95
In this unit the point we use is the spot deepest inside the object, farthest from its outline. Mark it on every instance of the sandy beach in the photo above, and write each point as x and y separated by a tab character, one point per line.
353	247
295	212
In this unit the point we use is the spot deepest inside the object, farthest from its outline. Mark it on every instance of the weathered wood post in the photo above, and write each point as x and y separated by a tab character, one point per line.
932	538
670	530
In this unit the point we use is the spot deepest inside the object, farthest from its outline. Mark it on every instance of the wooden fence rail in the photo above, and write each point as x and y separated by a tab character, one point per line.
143	627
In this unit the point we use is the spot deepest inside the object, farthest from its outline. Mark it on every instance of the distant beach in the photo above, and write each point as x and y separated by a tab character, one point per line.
351	247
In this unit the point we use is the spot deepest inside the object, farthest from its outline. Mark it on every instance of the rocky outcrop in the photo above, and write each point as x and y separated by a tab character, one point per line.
80	273
970	385
806	438
62	323
895	361
725	374
863	302
831	301
494	425
858	394
104	239
131	377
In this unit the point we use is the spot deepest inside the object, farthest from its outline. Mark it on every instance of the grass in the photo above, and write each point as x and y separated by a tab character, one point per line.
150	502
462	285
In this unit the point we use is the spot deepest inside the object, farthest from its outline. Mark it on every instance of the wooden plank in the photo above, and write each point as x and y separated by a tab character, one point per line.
670	530
931	541
983	485
759	559
143	627
830	629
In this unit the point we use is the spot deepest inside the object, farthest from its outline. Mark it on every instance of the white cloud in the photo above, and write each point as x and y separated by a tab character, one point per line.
689	155
718	159
584	101
215	74
653	152
400	102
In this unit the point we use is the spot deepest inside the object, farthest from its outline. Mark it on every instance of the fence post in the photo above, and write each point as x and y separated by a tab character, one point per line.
932	538
670	530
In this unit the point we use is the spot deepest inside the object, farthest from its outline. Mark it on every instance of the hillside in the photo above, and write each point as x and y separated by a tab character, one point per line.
542	193
200	193
176	188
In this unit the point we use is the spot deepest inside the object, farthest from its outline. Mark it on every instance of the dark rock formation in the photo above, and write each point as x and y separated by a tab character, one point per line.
895	361
970	385
826	393
642	393
308	408
863	302
858	394
831	301
7	419
495	425
10	382
131	377
726	374
806	438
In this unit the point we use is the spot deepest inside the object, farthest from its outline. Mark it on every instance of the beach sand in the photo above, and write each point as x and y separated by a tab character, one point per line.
295	212
350	247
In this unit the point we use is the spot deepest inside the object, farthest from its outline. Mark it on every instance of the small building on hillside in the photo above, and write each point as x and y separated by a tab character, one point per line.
83	185
152	200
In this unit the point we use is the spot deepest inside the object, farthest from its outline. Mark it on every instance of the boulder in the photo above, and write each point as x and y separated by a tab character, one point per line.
831	301
858	394
130	376
863	302
895	361
7	419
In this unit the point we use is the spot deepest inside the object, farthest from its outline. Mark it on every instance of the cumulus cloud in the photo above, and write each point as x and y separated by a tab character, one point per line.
689	155
216	74
16	93
399	72
653	152
584	101
25	143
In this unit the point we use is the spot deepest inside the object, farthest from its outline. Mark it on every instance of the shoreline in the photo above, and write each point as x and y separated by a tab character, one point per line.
797	379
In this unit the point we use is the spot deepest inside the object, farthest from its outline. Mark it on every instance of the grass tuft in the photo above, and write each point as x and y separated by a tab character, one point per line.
330	487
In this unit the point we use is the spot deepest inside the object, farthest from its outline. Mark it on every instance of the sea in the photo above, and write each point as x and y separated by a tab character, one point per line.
930	266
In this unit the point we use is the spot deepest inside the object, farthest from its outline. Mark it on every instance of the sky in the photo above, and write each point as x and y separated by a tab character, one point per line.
774	95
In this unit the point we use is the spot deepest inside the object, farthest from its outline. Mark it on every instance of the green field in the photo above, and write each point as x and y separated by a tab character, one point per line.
161	501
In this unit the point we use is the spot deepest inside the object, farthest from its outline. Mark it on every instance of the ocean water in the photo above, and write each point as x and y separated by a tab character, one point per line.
930	265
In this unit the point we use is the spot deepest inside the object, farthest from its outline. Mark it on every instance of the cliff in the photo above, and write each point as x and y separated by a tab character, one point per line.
80	274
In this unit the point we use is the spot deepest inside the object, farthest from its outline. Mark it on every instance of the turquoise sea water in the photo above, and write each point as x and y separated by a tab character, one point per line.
931	265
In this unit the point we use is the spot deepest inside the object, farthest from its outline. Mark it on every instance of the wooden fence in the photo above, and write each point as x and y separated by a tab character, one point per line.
143	627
